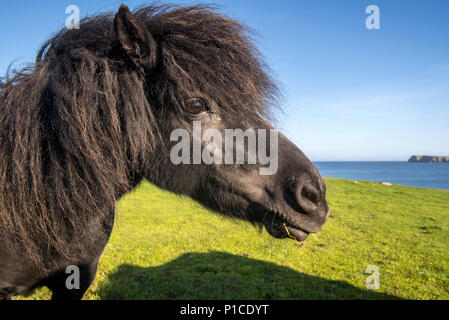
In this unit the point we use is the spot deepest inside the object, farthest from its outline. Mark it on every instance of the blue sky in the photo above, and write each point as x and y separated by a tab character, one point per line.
349	93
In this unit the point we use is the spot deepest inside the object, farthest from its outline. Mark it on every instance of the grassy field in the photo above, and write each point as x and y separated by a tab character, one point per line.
168	247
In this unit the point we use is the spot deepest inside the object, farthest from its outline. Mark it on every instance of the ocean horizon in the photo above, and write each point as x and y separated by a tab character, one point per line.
421	175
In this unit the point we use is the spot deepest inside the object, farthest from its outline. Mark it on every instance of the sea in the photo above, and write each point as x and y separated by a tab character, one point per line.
423	175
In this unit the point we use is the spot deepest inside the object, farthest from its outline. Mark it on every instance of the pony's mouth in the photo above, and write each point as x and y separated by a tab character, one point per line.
281	220
281	228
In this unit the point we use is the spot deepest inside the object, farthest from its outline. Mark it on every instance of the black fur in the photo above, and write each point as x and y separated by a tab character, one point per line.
92	118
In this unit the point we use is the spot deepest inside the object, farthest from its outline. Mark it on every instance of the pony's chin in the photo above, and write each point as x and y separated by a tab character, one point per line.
282	231
298	234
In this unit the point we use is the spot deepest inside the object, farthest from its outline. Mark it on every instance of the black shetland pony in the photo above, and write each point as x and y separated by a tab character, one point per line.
93	117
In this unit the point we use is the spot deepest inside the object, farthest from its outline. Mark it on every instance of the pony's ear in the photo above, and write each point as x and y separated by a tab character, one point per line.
135	39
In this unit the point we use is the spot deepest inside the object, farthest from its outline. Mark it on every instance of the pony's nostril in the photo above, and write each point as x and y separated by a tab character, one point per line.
311	194
303	197
307	197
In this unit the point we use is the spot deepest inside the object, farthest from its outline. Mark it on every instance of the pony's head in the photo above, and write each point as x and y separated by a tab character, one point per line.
211	94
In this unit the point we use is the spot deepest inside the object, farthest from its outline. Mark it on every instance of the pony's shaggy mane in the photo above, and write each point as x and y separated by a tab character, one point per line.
79	126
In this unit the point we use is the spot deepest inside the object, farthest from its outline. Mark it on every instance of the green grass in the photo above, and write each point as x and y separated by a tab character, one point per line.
169	247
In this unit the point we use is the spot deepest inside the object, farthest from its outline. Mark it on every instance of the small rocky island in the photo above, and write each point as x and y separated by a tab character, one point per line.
429	159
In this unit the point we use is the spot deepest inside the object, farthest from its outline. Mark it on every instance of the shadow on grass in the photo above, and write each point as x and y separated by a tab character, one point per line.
219	275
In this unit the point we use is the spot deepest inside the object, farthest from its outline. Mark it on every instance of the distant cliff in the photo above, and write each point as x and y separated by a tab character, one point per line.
428	159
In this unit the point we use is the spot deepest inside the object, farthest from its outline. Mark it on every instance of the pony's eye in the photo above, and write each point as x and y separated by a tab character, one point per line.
196	106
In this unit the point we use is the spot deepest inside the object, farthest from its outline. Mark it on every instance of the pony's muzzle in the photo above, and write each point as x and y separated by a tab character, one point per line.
308	198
